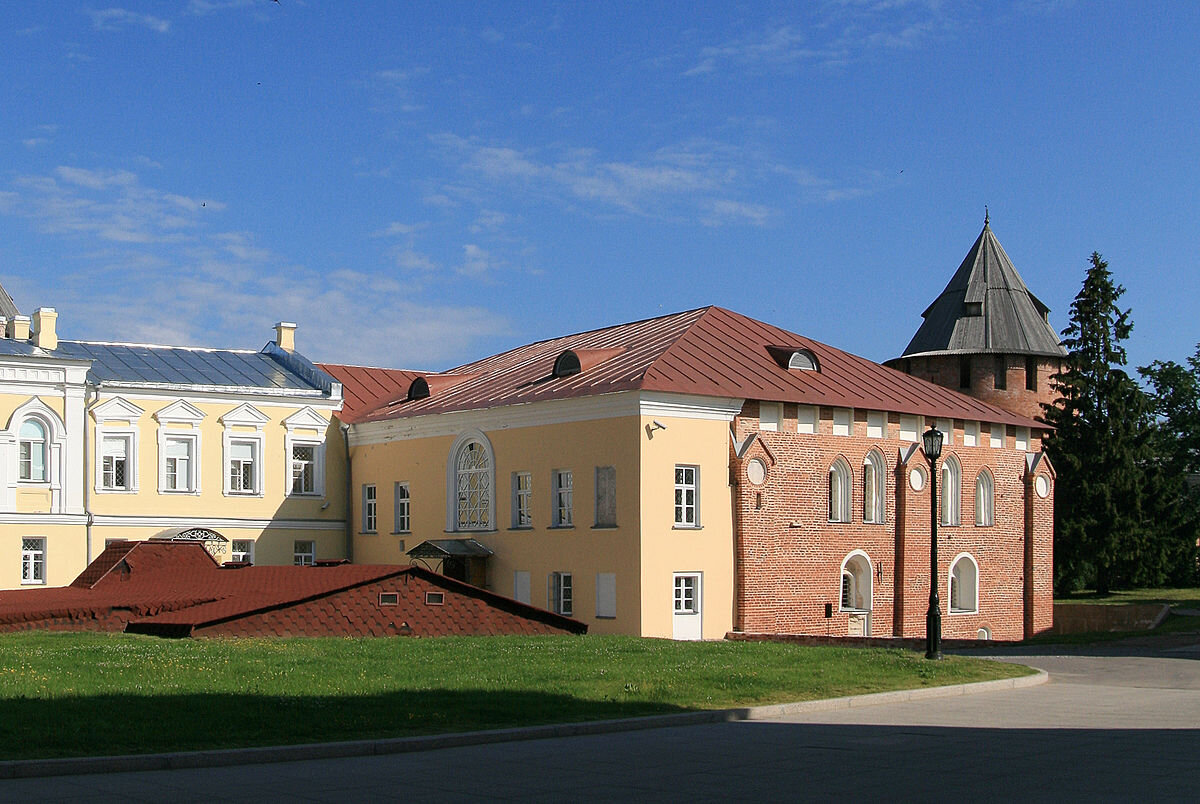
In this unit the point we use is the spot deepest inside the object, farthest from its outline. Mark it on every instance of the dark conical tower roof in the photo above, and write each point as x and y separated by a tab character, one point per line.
986	309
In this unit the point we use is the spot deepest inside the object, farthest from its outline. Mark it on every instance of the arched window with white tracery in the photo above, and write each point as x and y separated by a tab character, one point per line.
473	475
839	491
985	499
32	458
951	491
873	488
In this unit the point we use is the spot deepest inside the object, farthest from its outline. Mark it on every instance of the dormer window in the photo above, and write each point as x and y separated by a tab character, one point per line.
567	364
803	360
973	308
576	361
419	389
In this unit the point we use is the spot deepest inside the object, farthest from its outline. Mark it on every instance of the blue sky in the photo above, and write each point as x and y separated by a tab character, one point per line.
423	184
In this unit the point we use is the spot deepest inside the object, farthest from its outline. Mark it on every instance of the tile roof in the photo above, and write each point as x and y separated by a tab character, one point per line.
1007	318
710	352
364	387
173	588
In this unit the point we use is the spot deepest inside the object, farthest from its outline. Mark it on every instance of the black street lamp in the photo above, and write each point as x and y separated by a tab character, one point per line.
932	441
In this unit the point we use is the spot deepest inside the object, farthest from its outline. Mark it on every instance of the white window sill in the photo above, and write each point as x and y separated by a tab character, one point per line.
116	491
963	611
33	583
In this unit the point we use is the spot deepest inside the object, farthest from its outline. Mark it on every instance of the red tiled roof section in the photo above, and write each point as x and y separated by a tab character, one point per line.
364	387
710	352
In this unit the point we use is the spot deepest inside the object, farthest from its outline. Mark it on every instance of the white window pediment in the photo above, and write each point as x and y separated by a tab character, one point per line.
36	408
305	419
116	409
179	412
245	415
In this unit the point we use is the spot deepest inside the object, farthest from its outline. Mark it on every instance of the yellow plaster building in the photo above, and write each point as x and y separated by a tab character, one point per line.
105	441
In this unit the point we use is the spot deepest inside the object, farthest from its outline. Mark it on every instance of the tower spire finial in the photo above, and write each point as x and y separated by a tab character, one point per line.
986	216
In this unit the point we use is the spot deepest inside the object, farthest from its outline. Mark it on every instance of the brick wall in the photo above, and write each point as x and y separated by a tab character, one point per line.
944	371
790	555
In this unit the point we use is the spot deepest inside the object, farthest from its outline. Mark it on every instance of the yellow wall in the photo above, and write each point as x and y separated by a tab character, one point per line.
64	553
583	550
273	545
666	549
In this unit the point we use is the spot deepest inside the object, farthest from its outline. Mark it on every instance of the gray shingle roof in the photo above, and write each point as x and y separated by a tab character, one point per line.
7	308
986	308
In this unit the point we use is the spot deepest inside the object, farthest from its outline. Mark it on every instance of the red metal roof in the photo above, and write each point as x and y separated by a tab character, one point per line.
706	352
364	387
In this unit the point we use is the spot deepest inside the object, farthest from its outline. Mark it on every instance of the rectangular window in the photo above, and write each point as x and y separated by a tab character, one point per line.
970	434
687	493
1031	378
1022	441
1001	373
370	510
178	474
114	463
769	416
304	553
522	500
560	593
243	467
997	436
521	586
389	598
876	424
910	428
33	561
606	496
435	598
685	594
564	512
304	469
806	419
606	595
842	421
242	550
400	502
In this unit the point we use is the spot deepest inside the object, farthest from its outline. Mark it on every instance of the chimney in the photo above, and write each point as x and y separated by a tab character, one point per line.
44	328
18	328
285	336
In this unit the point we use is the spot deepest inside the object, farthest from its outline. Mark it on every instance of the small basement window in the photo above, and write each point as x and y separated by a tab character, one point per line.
435	598
389	598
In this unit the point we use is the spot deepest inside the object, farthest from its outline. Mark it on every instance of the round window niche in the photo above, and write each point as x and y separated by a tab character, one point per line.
916	479
756	471
1042	486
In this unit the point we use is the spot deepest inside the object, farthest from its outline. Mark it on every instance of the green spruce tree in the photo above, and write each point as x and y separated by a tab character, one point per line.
1104	503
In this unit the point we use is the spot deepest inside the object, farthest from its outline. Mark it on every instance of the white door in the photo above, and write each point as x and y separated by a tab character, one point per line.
686	621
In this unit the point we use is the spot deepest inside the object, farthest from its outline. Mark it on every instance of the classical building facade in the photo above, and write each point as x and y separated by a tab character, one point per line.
987	335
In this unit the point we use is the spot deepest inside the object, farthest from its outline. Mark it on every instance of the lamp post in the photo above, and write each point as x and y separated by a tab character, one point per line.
932	441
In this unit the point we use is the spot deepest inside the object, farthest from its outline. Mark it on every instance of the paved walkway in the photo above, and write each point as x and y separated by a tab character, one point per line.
1114	723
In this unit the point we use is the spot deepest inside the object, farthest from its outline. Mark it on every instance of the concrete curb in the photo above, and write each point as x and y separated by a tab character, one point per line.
17	769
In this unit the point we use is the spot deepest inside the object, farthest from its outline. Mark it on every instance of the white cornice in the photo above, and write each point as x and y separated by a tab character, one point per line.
43	519
214	392
554	411
216	523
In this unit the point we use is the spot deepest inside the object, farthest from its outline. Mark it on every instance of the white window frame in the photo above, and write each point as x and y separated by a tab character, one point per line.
560	593
256	465
606	595
956	588
874	488
770	416
192	439
33	559
487	485
970	434
876	424
130	437
370	508
682	582
806	418
522	499
839	491
947	428
996	435
562	498
911	427
951	491
857	577
246	555
985	499
43	445
401	507
681	494
1021	443
304	558
305	428
244	424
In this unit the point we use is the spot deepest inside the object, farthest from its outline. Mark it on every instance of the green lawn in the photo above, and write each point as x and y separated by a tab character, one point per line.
1183	598
72	694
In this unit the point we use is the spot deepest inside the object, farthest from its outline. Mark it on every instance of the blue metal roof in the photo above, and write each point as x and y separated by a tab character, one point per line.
175	365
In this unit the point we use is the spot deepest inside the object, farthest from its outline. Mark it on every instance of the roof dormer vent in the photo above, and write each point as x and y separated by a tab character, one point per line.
433	384
575	361
795	358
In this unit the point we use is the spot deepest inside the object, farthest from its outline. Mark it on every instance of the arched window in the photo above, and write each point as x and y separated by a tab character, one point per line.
856	582
839	491
32	459
964	585
985	499
473	473
873	488
951	491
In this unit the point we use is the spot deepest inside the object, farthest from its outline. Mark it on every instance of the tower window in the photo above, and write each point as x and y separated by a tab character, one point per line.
964	372
1031	378
1001	373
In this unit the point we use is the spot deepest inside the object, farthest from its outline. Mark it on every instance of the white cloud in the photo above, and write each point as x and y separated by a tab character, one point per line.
723	211
412	260
398	228
114	19
477	262
34	142
202	7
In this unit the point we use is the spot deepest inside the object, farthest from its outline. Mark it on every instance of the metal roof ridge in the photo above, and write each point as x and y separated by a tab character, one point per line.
160	346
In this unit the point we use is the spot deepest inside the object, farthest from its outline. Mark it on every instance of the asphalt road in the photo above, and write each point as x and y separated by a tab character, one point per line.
1114	723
